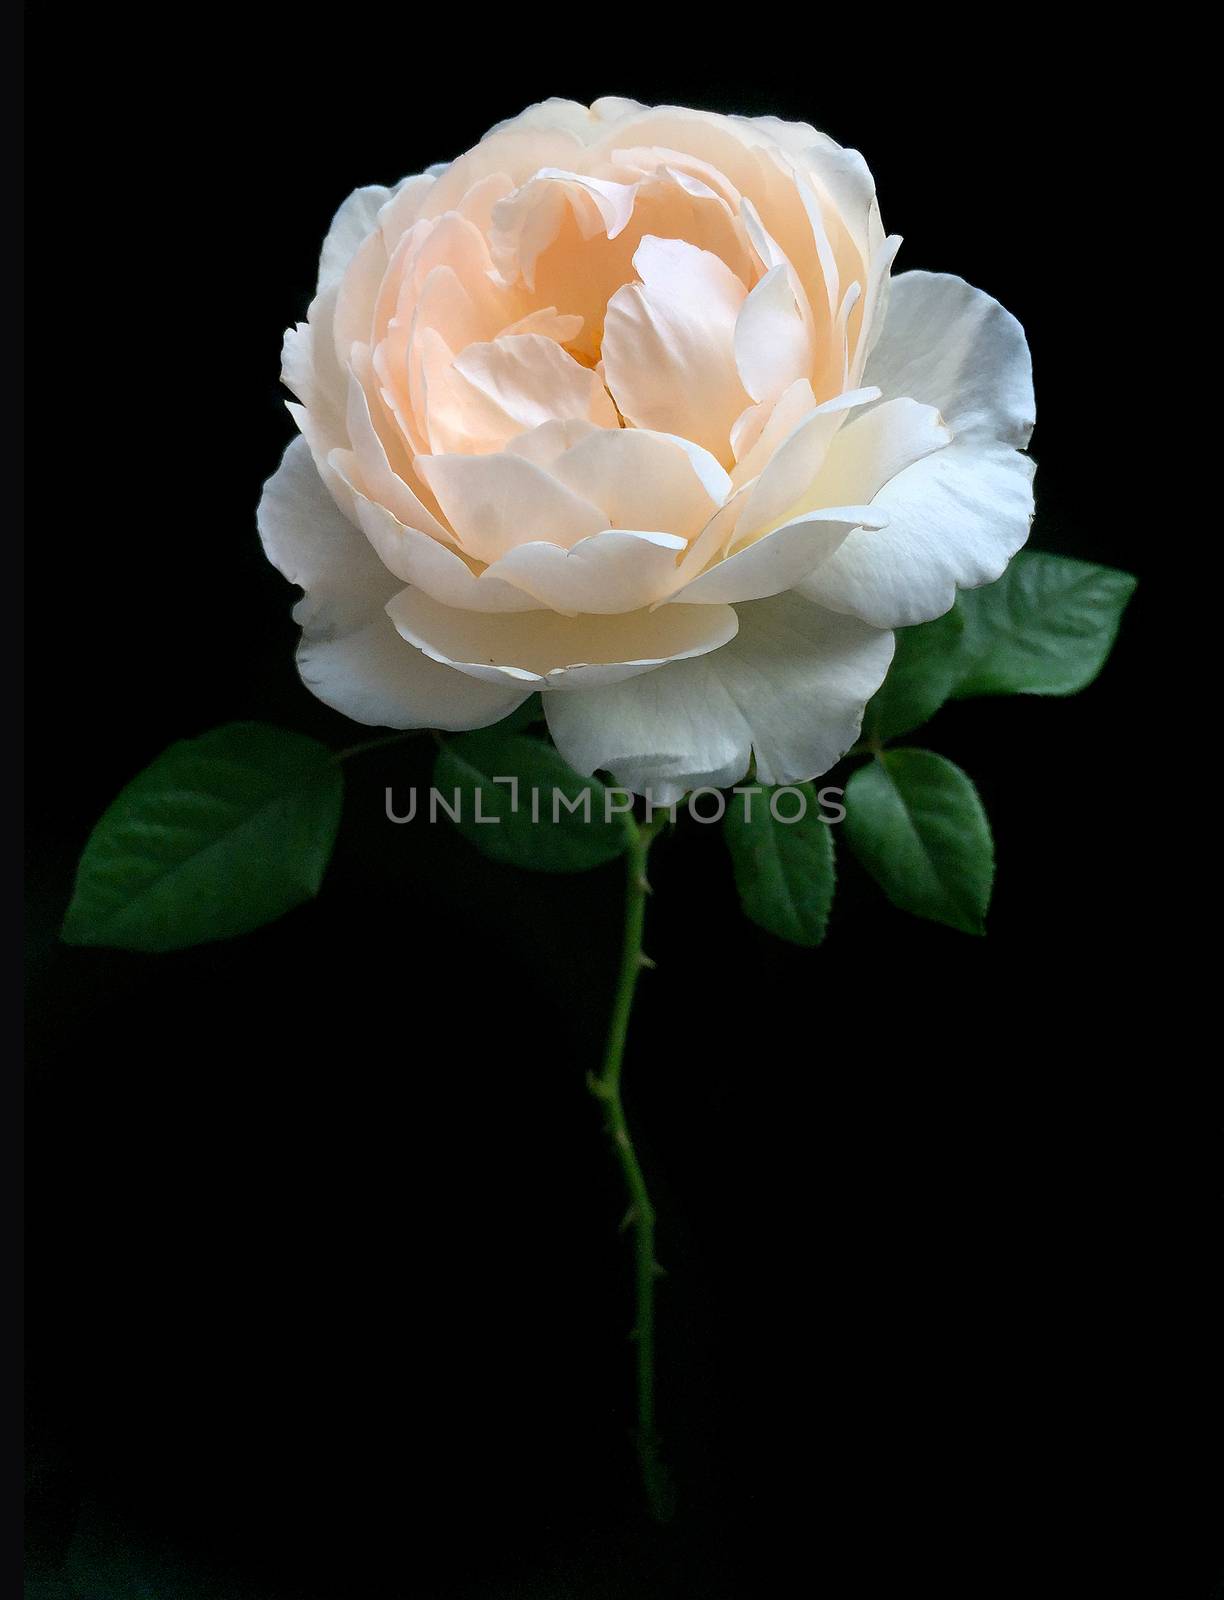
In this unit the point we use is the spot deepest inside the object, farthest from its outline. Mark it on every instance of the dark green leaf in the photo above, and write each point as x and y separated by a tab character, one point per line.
916	823
534	826
1046	627
783	869
922	676
530	712
218	836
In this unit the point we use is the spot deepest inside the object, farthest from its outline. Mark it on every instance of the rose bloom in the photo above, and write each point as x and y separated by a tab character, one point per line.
623	406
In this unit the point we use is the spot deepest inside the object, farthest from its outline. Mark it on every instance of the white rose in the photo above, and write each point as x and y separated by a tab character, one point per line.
620	406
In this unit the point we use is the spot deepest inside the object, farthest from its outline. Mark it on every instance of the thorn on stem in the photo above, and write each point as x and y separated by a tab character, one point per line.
645	961
629	1218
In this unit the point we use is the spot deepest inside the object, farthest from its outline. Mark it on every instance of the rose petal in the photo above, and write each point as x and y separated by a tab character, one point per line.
780	560
494	502
534	381
761	430
614	571
955	519
773	345
403	208
545	650
669	345
778	494
543	445
354	221
639	479
790	688
516	148
378	478
350	655
955	348
872	448
413	557
528	221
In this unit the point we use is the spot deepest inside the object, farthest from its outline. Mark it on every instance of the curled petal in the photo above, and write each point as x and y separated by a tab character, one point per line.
545	650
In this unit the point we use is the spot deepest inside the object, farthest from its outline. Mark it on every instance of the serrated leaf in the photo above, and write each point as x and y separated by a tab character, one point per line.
923	675
530	823
917	824
1045	627
784	870
218	836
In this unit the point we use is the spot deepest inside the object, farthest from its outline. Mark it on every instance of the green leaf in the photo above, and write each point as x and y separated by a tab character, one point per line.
922	676
523	717
534	826
783	869
916	823
218	836
1046	627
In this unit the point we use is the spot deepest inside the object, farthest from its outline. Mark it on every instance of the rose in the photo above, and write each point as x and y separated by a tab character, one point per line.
619	406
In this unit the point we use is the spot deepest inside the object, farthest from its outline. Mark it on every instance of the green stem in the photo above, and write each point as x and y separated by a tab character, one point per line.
606	1087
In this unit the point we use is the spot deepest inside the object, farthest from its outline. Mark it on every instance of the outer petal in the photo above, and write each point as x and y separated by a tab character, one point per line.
310	369
955	520
954	347
957	517
391	211
581	122
403	208
791	687
553	113
356	219
544	650
350	654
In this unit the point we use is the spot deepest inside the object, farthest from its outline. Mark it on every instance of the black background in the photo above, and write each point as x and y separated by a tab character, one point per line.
326	1296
